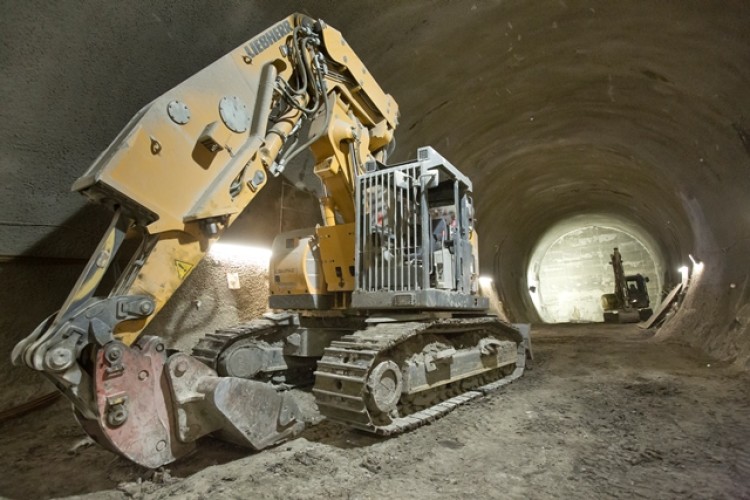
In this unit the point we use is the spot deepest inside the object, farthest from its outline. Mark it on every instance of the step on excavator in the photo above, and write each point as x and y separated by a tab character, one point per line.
630	302
378	307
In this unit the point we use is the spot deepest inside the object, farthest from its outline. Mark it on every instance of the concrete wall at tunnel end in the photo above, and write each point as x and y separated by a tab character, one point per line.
568	280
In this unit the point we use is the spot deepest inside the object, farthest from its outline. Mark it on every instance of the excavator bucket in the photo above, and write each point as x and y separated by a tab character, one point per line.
152	408
246	412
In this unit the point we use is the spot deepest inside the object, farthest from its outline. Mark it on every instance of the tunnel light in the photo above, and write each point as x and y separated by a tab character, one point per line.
697	264
684	272
240	254
485	280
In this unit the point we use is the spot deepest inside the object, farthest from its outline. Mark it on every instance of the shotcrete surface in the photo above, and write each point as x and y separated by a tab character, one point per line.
206	303
606	413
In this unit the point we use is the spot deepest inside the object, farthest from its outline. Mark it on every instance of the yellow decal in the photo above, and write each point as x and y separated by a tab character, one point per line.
183	268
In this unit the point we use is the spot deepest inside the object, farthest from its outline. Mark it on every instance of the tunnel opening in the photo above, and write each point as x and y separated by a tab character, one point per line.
569	269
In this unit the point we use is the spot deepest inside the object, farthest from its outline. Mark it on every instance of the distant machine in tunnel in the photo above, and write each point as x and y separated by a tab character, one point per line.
570	268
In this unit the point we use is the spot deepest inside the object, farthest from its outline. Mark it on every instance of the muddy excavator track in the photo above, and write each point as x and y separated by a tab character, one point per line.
222	349
210	348
363	379
357	382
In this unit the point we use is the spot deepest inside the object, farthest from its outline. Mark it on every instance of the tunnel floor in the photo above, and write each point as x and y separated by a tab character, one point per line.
605	413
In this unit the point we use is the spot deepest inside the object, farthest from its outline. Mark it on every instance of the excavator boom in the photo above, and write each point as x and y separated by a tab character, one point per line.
180	172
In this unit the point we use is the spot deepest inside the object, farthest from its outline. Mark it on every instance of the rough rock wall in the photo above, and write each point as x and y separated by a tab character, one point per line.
206	303
29	292
715	313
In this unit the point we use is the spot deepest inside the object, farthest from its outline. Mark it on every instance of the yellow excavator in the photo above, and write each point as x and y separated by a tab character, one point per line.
378	307
630	302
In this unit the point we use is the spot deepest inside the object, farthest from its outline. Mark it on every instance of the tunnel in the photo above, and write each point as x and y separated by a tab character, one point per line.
570	266
584	126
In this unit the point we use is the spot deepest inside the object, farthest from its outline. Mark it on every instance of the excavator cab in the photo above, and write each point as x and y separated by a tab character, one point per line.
637	292
413	237
410	246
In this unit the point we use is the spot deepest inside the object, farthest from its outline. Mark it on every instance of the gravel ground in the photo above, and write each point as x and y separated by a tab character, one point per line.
606	413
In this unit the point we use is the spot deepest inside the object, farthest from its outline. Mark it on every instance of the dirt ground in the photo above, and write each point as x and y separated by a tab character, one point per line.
605	413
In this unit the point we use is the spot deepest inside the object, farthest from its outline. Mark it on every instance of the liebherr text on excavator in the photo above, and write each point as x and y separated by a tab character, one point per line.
378	307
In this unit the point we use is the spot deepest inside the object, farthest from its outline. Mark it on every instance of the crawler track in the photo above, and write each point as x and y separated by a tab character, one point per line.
344	389
210	348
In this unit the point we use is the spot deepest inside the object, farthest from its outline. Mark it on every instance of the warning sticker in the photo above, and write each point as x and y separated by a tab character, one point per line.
233	281
183	268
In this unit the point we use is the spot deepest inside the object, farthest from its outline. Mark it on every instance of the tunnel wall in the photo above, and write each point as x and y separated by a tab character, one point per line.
206	303
554	109
569	109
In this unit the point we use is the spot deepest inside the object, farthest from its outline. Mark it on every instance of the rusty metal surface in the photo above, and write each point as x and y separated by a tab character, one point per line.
133	409
151	409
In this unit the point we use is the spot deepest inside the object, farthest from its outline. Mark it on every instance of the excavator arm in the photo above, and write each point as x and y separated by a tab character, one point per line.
179	175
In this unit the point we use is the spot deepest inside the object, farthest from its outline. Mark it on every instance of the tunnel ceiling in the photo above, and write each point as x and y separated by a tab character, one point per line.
555	109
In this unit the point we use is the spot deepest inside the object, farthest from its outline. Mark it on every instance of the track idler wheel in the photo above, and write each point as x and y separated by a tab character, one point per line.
384	385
